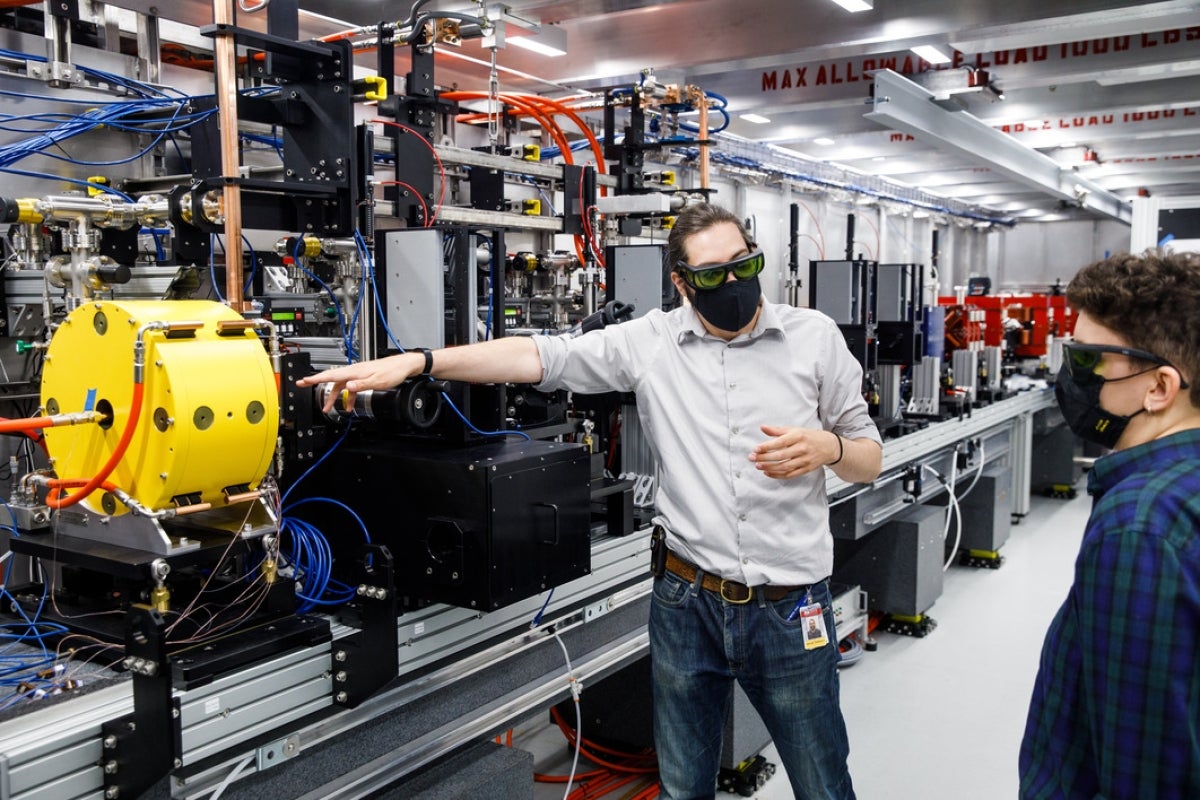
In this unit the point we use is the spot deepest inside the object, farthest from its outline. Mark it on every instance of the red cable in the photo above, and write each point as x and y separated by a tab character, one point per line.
436	157
587	747
544	778
421	200
601	787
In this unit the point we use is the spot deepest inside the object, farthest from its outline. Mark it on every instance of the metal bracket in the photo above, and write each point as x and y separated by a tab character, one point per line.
142	747
278	751
365	661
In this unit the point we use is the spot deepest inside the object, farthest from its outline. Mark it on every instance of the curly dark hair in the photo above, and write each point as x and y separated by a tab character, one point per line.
695	219
1152	300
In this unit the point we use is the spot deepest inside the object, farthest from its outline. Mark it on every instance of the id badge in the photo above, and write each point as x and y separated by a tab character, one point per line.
812	622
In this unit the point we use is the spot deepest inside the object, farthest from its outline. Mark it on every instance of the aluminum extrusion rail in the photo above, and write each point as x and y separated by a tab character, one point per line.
549	689
940	435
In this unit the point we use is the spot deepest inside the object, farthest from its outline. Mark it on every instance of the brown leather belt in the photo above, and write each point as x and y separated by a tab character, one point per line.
730	591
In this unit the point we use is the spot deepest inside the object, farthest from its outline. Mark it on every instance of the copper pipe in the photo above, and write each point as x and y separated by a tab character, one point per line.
225	64
195	508
703	142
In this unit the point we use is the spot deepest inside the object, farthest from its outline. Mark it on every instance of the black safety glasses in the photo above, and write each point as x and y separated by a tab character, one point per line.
1082	360
704	278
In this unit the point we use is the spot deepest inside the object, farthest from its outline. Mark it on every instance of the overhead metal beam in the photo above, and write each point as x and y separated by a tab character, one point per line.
902	105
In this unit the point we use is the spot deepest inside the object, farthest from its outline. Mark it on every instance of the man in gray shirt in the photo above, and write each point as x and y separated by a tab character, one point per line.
743	403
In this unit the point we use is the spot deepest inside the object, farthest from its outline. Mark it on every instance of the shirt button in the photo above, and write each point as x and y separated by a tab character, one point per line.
745	561
734	429
741	517
733	386
737	474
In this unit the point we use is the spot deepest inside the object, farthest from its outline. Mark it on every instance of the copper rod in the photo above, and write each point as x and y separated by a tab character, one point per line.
225	58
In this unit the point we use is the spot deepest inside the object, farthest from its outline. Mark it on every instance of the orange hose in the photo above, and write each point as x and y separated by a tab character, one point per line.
597	150
552	107
58	484
75	483
24	425
545	121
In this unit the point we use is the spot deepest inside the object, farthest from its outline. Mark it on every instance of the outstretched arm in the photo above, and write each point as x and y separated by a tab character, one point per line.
513	359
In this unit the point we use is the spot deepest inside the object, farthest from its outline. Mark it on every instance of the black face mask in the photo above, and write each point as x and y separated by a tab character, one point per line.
1081	407
730	306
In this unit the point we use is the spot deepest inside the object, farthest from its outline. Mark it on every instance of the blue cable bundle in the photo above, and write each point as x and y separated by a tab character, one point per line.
310	555
24	671
153	112
312	563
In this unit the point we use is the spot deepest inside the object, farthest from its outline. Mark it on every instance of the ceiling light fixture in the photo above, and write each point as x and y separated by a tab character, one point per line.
545	40
854	6
758	119
931	54
825	140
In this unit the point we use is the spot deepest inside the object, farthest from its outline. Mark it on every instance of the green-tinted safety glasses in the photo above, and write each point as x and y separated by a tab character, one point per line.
1082	359
743	268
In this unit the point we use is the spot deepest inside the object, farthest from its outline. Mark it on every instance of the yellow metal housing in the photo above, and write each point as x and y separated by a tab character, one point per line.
209	418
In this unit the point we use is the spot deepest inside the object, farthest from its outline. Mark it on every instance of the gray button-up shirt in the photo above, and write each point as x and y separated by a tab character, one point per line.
701	401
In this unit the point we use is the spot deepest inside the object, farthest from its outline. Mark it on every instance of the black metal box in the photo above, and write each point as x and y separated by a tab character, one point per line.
986	510
478	527
900	565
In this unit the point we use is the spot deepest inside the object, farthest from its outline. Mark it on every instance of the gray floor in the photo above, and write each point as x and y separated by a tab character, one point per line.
939	717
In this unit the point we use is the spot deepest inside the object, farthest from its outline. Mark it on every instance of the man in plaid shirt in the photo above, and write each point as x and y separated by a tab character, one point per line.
1115	712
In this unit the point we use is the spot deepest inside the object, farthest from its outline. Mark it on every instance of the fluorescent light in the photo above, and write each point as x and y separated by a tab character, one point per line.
755	118
931	54
546	40
855	5
825	140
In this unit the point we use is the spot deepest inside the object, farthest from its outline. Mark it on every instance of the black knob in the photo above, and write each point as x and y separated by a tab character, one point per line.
113	273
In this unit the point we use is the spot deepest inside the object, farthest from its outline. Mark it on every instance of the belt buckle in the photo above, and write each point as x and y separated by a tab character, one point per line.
734	600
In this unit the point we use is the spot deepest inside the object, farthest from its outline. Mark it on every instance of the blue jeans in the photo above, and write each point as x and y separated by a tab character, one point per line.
699	644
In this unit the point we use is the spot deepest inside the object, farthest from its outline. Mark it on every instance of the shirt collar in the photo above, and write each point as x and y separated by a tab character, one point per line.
1111	469
768	322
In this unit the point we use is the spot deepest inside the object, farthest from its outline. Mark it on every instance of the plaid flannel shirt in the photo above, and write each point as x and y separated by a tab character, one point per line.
1115	712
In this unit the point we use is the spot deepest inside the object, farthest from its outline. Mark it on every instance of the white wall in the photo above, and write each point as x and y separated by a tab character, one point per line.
1037	253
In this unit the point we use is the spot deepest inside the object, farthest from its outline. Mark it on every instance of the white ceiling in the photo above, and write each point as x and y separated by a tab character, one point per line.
1107	88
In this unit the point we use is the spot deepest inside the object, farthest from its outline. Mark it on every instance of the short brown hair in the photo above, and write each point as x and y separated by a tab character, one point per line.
694	219
1152	300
